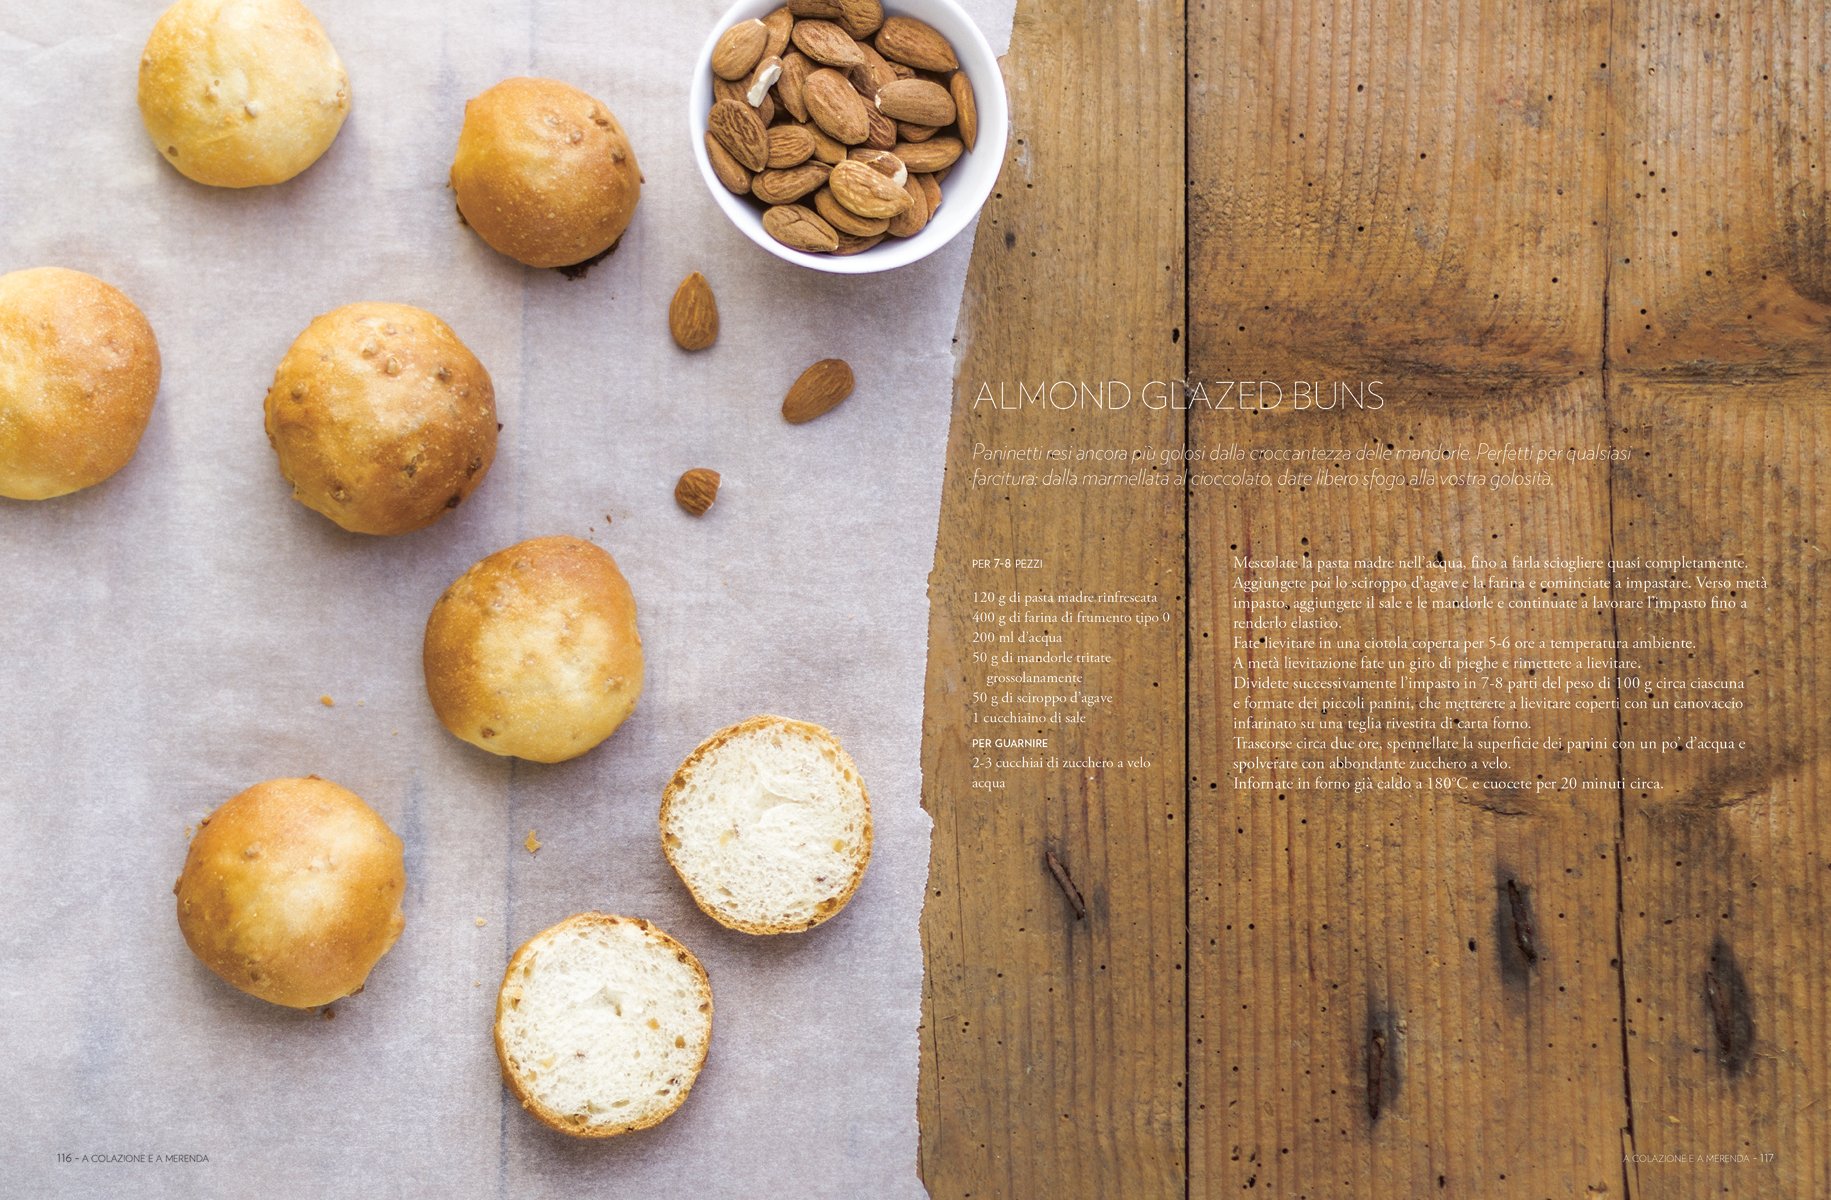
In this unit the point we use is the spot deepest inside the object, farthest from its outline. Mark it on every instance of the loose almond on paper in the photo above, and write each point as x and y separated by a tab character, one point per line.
693	315
820	389
697	490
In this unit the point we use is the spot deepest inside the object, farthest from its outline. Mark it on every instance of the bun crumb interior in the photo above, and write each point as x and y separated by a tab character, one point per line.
768	825
602	1025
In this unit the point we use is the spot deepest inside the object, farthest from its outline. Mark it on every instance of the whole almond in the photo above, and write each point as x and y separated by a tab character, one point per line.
936	154
790	184
871	74
800	228
865	191
848	244
693	315
909	41
757	85
861	18
825	42
789	146
821	389
827	149
696	490
847	222
931	188
730	89
766	111
741	130
905	132
913	219
779	23
918	101
730	171
835	107
882	132
966	108
883	162
738	49
795	68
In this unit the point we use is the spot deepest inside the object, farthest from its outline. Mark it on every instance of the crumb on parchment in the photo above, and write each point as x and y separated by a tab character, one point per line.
481	922
327	702
531	842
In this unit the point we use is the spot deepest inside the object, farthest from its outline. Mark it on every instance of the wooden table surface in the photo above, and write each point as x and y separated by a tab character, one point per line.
1553	221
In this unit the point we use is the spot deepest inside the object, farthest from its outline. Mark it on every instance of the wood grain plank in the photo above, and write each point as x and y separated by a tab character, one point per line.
1412	193
1054	1046
1720	302
1727	867
1720	211
1409	185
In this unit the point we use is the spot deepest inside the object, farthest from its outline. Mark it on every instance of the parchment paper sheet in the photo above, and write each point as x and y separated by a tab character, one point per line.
165	638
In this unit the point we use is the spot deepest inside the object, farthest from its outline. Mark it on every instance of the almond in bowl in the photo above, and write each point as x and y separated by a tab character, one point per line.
848	137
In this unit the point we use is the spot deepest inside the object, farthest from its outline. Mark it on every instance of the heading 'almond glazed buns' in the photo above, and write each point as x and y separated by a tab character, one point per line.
382	419
292	891
241	93
79	370
544	173
533	651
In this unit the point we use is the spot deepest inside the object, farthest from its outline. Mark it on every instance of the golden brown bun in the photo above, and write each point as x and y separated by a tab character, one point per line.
544	173
292	891
533	652
78	373
382	419
240	93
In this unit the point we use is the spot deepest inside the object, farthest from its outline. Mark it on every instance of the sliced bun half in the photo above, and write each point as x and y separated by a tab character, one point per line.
768	825
602	1025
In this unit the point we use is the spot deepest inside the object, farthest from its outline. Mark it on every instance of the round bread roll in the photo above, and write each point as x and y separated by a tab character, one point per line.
602	1025
241	93
382	419
544	173
292	891
768	825
78	373
533	652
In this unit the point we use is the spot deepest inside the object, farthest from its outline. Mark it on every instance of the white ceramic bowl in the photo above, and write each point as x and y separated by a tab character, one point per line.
967	187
